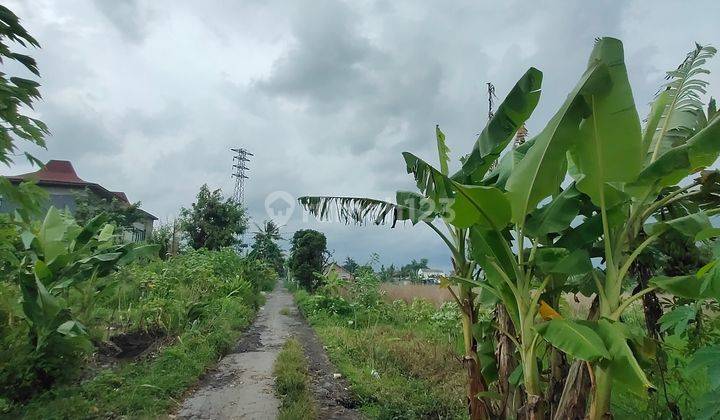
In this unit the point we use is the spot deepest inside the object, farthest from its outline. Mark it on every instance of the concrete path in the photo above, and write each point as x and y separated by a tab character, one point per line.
241	385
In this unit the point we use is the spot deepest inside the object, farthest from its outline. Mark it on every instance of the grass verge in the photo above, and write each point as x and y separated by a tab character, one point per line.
291	383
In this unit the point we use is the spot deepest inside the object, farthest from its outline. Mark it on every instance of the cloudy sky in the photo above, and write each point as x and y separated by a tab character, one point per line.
148	96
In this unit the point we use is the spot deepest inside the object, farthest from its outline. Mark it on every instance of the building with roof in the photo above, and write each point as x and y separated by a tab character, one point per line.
63	185
339	270
430	275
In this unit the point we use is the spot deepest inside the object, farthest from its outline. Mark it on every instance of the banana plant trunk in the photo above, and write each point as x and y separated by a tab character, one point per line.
573	401
535	404
558	377
600	406
506	363
478	408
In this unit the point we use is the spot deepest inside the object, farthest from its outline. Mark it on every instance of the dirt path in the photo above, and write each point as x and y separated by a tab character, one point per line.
241	385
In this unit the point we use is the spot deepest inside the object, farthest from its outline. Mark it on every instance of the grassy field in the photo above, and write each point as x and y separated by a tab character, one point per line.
402	360
408	292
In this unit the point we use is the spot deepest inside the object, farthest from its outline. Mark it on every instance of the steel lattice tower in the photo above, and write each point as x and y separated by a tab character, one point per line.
239	168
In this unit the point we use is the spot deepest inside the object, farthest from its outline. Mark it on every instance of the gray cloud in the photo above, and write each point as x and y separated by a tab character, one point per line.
149	97
130	19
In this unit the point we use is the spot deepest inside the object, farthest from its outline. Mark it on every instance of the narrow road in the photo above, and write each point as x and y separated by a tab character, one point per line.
241	385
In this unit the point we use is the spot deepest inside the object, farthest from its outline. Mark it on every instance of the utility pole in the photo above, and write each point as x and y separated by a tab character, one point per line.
239	168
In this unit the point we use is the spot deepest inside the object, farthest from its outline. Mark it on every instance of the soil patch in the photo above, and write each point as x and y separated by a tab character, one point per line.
333	400
130	345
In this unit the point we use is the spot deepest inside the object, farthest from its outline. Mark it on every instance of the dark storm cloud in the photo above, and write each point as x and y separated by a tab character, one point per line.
148	97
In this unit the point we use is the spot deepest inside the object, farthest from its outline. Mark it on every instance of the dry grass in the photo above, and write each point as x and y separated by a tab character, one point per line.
407	292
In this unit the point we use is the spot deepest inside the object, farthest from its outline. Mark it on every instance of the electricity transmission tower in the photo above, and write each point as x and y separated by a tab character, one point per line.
239	168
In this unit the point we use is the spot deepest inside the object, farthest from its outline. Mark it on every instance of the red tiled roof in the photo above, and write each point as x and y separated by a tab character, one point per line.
54	171
61	172
121	196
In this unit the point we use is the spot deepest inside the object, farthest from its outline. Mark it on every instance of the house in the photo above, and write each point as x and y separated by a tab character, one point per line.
62	183
340	271
430	275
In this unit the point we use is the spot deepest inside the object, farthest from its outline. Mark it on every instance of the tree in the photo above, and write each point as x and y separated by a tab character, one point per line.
410	270
18	93
212	222
162	236
350	265
121	214
506	248
265	247
387	273
307	257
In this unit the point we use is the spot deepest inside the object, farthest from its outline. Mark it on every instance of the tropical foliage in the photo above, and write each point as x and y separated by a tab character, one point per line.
152	322
569	210
120	214
308	251
265	246
17	92
212	222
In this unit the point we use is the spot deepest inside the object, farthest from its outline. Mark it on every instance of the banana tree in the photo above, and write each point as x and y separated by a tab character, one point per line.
627	175
451	209
479	207
503	244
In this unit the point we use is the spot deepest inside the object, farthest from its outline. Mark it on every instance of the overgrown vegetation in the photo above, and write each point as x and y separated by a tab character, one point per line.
291	383
213	222
401	359
154	327
120	214
91	326
568	211
265	246
308	253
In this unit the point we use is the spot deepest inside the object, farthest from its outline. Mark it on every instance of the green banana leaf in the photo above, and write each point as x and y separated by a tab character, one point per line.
689	226
698	153
623	365
542	170
462	205
575	339
550	260
677	112
515	109
556	216
609	145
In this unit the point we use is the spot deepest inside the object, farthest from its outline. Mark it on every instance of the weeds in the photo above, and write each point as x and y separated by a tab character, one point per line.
197	302
401	359
291	383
